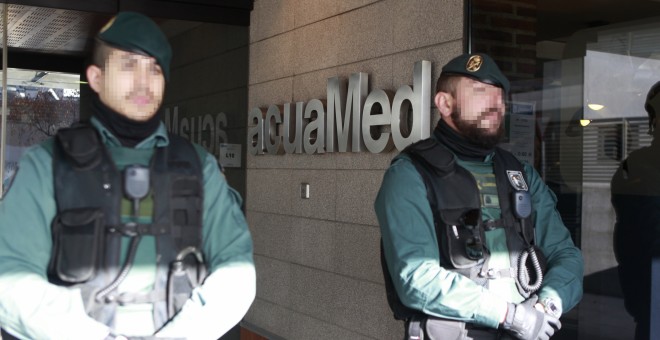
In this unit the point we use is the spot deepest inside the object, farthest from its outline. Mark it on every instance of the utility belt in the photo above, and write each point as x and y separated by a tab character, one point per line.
434	328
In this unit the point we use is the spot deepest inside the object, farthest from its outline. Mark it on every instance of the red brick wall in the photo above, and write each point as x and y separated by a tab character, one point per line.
506	29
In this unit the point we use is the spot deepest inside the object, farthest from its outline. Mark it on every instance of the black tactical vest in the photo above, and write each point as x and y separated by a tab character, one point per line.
88	229
454	198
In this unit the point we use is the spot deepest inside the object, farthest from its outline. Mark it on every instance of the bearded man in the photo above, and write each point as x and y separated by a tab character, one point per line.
472	244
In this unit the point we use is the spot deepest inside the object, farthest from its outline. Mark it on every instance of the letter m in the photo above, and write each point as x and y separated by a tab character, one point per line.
348	120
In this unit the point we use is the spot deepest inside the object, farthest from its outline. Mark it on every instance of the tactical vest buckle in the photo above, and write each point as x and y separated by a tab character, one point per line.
492	273
130	229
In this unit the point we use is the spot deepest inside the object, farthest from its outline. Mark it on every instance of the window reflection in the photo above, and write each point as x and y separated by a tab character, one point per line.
585	70
39	103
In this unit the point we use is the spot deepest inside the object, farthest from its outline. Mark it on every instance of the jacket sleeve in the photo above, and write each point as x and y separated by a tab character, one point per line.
31	307
565	266
413	258
227	293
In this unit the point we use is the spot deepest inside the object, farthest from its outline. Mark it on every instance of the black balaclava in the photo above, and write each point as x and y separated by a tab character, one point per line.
129	132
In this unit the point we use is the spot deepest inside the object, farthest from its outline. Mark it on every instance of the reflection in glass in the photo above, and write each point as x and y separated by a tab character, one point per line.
585	69
39	103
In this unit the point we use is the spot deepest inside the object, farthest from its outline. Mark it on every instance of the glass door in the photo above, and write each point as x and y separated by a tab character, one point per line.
38	103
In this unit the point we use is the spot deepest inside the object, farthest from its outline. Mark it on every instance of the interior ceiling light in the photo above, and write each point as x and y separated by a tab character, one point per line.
585	122
596	107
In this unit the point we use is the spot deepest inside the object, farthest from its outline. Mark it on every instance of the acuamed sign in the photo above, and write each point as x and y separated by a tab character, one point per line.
351	120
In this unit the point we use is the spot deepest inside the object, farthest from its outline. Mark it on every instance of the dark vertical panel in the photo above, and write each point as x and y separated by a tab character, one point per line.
467	27
45	61
655	291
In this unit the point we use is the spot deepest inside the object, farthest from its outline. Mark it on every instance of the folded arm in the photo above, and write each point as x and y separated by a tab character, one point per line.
227	293
31	307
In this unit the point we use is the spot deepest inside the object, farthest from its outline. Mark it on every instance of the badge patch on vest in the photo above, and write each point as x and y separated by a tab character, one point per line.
517	180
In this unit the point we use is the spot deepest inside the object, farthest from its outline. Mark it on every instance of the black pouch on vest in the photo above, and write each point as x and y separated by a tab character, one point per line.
77	242
464	237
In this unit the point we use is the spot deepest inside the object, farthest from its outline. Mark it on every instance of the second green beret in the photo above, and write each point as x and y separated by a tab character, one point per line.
478	66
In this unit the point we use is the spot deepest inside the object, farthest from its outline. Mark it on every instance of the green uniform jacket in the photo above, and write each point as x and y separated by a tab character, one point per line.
33	308
411	250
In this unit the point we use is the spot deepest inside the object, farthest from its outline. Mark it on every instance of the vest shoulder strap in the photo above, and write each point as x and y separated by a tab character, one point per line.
180	198
505	166
80	144
83	172
434	156
182	150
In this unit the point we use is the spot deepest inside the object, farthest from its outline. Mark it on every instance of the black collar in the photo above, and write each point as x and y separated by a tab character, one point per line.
460	146
129	132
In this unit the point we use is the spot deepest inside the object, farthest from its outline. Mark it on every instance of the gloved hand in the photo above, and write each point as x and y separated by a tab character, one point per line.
525	322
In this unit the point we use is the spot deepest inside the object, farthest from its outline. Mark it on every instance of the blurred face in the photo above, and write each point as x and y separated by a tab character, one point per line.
129	83
476	111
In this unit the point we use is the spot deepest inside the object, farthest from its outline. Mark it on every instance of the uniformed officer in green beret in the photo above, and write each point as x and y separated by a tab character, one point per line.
472	245
116	228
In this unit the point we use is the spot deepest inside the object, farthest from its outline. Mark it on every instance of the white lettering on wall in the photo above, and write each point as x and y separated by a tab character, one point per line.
206	130
351	119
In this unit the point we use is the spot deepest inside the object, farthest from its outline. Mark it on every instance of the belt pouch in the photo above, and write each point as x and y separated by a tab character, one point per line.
77	242
456	238
440	329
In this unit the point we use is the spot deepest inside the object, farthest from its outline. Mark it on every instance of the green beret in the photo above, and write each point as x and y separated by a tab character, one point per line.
136	33
478	66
